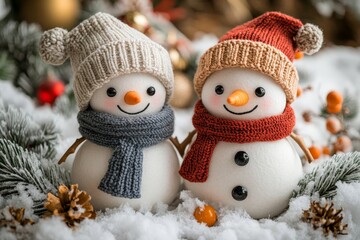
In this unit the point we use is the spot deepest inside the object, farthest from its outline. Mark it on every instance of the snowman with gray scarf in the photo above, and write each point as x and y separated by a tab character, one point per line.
123	82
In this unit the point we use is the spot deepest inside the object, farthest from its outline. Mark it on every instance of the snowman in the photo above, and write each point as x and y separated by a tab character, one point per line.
122	85
241	155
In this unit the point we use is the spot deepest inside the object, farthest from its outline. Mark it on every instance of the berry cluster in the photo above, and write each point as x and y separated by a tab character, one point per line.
334	113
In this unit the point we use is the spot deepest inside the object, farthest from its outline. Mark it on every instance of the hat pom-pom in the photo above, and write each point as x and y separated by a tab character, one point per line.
309	39
53	46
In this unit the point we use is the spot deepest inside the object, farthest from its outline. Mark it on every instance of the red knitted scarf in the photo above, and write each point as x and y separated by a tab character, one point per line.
211	130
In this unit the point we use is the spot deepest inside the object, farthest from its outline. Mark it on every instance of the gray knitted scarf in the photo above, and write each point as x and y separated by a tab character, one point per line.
128	137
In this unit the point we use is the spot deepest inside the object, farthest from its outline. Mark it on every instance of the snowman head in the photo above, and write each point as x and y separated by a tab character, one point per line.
242	94
130	95
266	46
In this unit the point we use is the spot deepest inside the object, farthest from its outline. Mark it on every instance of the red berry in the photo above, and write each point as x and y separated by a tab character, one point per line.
58	88
49	90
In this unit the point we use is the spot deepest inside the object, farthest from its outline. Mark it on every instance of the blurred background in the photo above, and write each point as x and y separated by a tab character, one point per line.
186	29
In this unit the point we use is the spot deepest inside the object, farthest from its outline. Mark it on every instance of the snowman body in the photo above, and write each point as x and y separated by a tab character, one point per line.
160	181
256	176
129	96
262	186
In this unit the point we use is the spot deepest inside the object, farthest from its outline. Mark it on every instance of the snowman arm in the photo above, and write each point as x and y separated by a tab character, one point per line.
301	144
71	149
180	147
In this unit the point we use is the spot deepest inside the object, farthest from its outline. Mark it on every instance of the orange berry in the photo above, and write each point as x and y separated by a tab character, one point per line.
206	214
334	108
299	55
333	98
333	125
299	91
315	151
326	151
343	144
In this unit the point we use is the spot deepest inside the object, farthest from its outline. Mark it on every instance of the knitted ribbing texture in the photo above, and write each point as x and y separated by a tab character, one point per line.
128	137
272	28
211	130
101	48
266	44
247	54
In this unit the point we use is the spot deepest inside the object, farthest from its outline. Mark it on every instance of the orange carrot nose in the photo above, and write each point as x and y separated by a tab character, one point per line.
132	98
238	98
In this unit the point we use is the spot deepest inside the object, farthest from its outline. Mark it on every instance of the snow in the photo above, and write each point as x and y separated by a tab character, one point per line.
125	223
333	68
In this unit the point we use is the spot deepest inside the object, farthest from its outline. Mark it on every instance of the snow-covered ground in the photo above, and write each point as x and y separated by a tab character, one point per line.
336	68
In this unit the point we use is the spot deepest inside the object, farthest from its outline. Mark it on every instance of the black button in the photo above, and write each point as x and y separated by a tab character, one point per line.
241	158
239	193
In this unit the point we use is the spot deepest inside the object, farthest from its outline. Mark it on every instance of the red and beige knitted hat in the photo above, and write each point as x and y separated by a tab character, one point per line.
266	44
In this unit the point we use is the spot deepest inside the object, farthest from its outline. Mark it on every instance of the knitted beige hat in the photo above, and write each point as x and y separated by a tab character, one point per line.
266	44
102	47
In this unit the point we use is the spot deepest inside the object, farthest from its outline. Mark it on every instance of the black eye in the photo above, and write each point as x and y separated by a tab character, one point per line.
151	91
219	89
111	92
260	92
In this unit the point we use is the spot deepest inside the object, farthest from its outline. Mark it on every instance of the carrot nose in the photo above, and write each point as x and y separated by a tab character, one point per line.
238	98
132	98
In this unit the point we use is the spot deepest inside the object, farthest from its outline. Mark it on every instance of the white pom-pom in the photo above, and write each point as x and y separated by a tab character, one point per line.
309	39
53	46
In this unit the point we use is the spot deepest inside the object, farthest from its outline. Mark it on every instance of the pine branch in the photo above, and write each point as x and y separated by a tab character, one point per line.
323	179
18	166
27	157
21	129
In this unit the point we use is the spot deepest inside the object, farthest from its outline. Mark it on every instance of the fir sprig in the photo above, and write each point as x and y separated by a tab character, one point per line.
19	166
340	168
27	152
21	129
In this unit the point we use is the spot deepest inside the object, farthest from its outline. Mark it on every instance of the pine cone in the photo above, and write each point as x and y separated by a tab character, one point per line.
11	217
327	217
72	205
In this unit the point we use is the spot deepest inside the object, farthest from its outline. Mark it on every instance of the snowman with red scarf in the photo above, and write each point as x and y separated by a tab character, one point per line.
241	155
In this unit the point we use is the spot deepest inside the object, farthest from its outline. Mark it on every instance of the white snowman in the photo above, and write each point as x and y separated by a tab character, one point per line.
122	85
241	155
129	96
